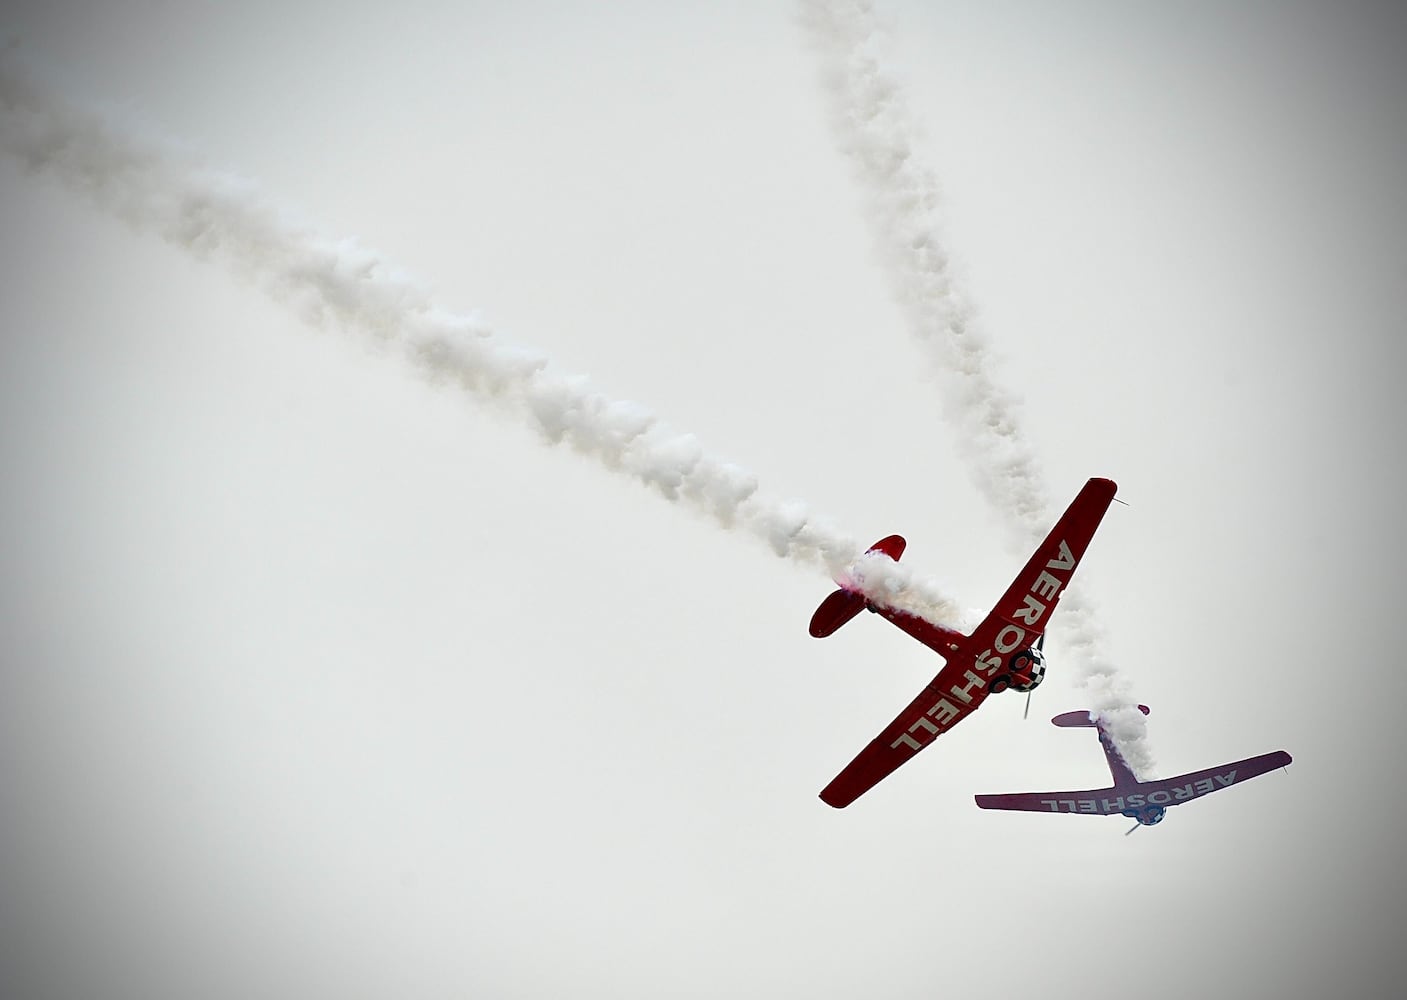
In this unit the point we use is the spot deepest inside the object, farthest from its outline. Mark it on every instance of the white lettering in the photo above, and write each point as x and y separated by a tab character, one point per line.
944	711
990	664
1204	786
1153	798
1136	801
1226	779
1005	645
964	693
1046	586
1031	612
1070	803
922	723
1182	794
1050	802
1087	806
1065	561
906	740
1112	805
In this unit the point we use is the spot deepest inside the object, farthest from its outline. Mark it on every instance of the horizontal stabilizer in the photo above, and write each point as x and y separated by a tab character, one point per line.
835	611
843	605
1086	720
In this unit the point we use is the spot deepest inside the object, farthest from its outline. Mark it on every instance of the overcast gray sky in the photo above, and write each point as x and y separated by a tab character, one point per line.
318	680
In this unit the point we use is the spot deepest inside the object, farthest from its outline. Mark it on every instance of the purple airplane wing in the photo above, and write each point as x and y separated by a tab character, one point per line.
1119	799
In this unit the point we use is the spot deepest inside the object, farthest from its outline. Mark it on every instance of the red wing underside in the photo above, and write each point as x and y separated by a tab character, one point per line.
1022	614
937	708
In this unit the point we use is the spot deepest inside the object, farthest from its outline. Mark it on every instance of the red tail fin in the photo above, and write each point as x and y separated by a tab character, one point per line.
843	605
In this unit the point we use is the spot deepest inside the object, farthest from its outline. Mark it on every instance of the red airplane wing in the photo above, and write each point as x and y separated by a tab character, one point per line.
938	707
1163	792
1022	614
1013	625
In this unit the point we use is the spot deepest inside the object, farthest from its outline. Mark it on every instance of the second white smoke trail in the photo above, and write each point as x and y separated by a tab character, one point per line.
871	121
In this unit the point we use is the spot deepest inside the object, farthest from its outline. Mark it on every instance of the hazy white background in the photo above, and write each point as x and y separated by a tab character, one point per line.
317	681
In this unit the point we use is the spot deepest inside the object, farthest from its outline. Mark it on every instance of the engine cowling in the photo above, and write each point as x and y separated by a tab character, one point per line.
1027	669
1147	816
1151	815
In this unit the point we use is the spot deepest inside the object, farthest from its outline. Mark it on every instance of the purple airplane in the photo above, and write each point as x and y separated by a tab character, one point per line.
1145	801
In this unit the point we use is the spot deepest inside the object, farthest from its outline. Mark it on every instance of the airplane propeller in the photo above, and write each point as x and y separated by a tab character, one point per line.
1040	643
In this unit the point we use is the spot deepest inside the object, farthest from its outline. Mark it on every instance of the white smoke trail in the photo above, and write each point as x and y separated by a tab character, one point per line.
216	216
873	128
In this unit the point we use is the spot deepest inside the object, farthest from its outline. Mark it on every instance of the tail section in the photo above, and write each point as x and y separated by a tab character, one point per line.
1118	767
843	605
1123	777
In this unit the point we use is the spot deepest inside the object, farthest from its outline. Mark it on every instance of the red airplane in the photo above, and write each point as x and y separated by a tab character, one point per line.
1003	652
1145	801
